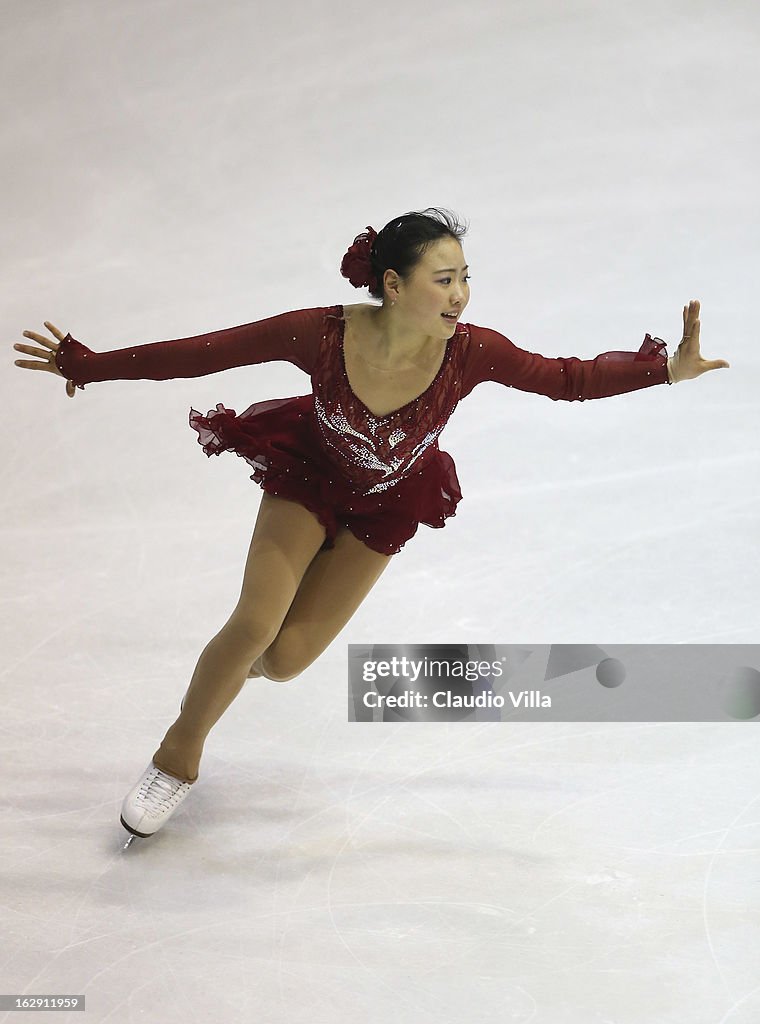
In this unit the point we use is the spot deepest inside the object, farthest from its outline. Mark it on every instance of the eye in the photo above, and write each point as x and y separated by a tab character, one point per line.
445	280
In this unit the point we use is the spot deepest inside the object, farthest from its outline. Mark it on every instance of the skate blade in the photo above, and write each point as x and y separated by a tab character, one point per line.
130	840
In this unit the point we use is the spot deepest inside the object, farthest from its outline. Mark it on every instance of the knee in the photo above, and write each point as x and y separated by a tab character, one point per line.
285	658
250	632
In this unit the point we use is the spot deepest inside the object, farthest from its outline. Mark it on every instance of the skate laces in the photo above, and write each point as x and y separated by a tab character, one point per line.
161	789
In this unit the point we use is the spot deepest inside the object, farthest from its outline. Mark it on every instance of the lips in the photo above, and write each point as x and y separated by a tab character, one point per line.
450	316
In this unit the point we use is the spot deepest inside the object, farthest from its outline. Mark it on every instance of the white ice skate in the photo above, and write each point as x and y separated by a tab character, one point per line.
151	802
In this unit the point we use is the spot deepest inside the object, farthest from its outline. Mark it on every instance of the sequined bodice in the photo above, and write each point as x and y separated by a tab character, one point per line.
375	452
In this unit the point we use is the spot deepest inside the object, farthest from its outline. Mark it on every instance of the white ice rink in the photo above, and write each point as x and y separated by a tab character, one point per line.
172	168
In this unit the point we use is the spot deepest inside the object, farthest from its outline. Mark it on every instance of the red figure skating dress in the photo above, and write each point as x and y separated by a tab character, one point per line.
379	476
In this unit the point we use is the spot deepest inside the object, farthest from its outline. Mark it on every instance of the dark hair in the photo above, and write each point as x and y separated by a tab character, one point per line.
404	241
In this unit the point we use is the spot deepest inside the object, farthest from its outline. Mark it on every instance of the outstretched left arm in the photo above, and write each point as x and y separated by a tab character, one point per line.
492	356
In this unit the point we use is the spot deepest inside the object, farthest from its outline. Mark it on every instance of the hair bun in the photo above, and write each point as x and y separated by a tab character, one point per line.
356	265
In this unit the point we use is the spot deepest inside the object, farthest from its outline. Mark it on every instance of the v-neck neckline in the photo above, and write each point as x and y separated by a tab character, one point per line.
393	412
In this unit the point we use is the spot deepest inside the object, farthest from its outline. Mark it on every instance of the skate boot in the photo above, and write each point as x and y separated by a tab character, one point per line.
152	801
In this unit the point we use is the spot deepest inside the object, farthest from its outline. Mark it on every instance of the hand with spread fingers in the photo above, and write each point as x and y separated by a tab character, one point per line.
45	357
687	362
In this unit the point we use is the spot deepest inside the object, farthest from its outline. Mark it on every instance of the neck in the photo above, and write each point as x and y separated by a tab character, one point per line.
397	341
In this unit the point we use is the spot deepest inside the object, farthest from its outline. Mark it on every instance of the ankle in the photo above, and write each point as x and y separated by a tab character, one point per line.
176	768
177	758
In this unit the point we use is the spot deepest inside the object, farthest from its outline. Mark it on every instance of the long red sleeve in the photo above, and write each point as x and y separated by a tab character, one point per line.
492	356
292	336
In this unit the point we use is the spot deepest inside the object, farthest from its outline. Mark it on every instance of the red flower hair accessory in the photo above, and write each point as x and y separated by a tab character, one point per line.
357	264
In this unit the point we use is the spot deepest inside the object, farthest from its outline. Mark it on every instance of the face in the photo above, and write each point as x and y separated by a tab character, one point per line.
439	284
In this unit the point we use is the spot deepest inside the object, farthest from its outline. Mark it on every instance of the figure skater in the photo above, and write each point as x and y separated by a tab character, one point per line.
351	469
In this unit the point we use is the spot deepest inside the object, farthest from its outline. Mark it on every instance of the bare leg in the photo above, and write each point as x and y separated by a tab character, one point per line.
285	540
335	584
217	680
327	593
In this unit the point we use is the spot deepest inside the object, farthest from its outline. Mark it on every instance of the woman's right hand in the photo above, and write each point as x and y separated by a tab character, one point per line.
45	357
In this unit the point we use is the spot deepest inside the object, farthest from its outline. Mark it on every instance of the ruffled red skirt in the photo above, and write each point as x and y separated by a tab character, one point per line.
280	440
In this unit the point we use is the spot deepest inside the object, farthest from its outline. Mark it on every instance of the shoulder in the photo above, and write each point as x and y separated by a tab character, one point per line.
359	312
360	328
371	306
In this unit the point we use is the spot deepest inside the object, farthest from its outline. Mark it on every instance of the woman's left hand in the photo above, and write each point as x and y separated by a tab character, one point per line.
687	362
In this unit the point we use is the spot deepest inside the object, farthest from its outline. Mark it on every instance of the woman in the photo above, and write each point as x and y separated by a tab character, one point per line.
351	469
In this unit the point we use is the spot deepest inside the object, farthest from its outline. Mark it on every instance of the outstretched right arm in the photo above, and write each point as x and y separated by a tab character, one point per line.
292	336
